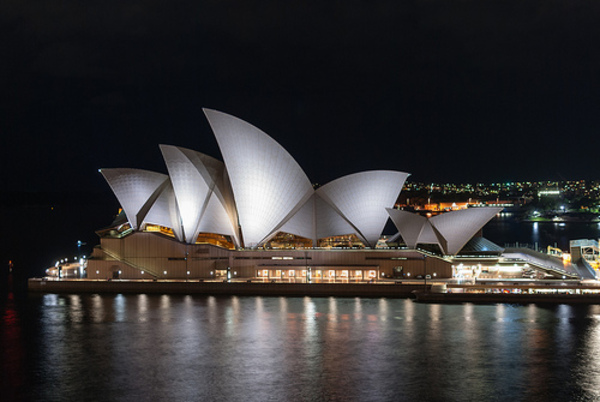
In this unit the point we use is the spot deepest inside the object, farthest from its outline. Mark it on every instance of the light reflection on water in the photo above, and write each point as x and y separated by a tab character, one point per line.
507	228
126	347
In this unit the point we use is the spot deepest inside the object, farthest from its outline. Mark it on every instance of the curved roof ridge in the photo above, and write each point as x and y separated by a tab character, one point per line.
195	176
362	198
135	189
458	227
267	181
164	211
409	225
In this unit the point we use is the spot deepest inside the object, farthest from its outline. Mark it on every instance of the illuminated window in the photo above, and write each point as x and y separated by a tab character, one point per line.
216	240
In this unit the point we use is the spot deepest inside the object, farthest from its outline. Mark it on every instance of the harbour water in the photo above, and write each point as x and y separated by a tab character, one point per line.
180	348
183	348
507	230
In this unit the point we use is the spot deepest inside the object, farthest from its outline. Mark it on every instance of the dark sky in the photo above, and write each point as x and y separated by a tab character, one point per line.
446	90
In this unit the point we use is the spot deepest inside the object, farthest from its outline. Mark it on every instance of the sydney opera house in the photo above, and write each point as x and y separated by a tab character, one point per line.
256	215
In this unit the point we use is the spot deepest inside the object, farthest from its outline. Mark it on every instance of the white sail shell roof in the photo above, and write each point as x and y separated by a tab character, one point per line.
195	179
268	184
303	222
362	199
330	222
317	220
458	227
258	191
429	235
451	230
408	224
164	212
215	219
136	190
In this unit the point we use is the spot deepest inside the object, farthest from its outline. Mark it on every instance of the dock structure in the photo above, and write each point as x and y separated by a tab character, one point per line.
511	292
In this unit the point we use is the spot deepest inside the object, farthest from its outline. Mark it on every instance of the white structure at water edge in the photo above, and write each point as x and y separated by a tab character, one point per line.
256	215
449	231
258	191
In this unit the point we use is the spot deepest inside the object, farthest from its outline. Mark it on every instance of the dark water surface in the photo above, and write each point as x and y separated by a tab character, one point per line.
507	230
195	348
198	348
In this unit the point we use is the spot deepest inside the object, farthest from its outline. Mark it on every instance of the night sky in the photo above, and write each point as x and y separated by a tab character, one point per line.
452	91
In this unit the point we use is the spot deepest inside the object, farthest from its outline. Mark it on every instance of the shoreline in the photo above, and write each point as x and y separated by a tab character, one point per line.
416	291
388	289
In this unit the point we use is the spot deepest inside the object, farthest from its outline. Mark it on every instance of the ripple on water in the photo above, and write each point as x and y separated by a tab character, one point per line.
127	347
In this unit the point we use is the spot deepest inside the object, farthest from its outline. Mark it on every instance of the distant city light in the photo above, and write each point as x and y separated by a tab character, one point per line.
548	192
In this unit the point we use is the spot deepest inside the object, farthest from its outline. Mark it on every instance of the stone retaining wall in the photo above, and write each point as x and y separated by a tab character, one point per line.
224	288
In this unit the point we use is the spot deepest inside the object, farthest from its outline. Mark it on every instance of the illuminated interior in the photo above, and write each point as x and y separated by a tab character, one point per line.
216	240
117	231
288	241
159	229
346	241
319	274
203	238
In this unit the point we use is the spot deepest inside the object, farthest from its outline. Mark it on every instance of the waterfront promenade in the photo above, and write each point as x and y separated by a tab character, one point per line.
242	288
494	291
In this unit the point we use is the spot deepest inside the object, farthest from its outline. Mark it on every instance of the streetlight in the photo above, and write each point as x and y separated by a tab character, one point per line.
79	244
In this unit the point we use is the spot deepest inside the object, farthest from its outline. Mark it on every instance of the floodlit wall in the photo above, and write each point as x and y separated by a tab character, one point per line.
108	269
156	254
